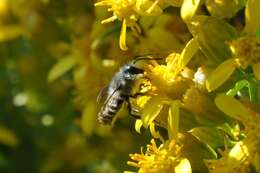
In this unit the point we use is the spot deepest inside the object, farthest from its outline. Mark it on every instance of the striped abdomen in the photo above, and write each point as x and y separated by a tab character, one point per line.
110	108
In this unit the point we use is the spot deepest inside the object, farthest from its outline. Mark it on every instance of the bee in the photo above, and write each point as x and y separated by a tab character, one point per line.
120	90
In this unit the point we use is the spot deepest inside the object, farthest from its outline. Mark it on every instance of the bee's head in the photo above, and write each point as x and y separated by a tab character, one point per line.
135	69
131	72
131	69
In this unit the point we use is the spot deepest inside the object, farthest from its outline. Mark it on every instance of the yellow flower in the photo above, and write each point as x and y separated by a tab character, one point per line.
163	159
129	11
246	51
123	10
247	151
234	160
238	111
152	105
169	82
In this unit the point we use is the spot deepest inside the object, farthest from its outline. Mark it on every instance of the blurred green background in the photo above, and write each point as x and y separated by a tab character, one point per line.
41	124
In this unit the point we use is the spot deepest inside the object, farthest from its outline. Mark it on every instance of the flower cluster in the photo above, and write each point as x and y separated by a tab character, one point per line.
129	11
165	159
169	83
246	52
246	152
181	92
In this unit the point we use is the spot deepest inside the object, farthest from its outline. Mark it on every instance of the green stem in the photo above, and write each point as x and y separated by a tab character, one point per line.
253	91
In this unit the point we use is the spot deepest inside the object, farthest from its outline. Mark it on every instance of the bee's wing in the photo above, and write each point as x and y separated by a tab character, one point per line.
102	93
108	98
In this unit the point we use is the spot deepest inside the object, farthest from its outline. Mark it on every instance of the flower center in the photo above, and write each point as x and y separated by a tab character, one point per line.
246	50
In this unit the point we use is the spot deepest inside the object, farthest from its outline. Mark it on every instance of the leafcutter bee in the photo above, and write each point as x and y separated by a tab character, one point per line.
120	90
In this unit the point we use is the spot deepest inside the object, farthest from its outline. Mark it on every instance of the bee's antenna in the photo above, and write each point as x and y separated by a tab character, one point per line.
145	57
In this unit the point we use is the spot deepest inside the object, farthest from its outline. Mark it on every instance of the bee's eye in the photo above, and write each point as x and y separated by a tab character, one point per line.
133	70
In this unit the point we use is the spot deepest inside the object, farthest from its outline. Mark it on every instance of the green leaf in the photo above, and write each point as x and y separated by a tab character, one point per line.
212	33
105	35
252	15
220	75
188	52
231	107
188	9
88	121
258	32
252	87
223	8
195	151
173	119
209	135
256	70
62	66
238	86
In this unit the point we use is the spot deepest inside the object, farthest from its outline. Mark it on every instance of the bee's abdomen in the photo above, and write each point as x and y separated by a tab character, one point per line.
109	110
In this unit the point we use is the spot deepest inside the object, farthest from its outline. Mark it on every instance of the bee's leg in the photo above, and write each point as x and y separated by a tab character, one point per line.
136	114
133	112
137	94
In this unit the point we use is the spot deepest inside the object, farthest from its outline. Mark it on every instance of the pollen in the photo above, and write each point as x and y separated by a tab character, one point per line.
163	159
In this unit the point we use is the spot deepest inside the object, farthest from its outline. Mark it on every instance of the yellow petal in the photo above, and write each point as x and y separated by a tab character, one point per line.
148	7
238	153
151	109
173	119
153	131
110	19
189	8
4	7
153	7
101	3
231	107
256	70
138	125
252	14
183	167
122	39
187	53
220	74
